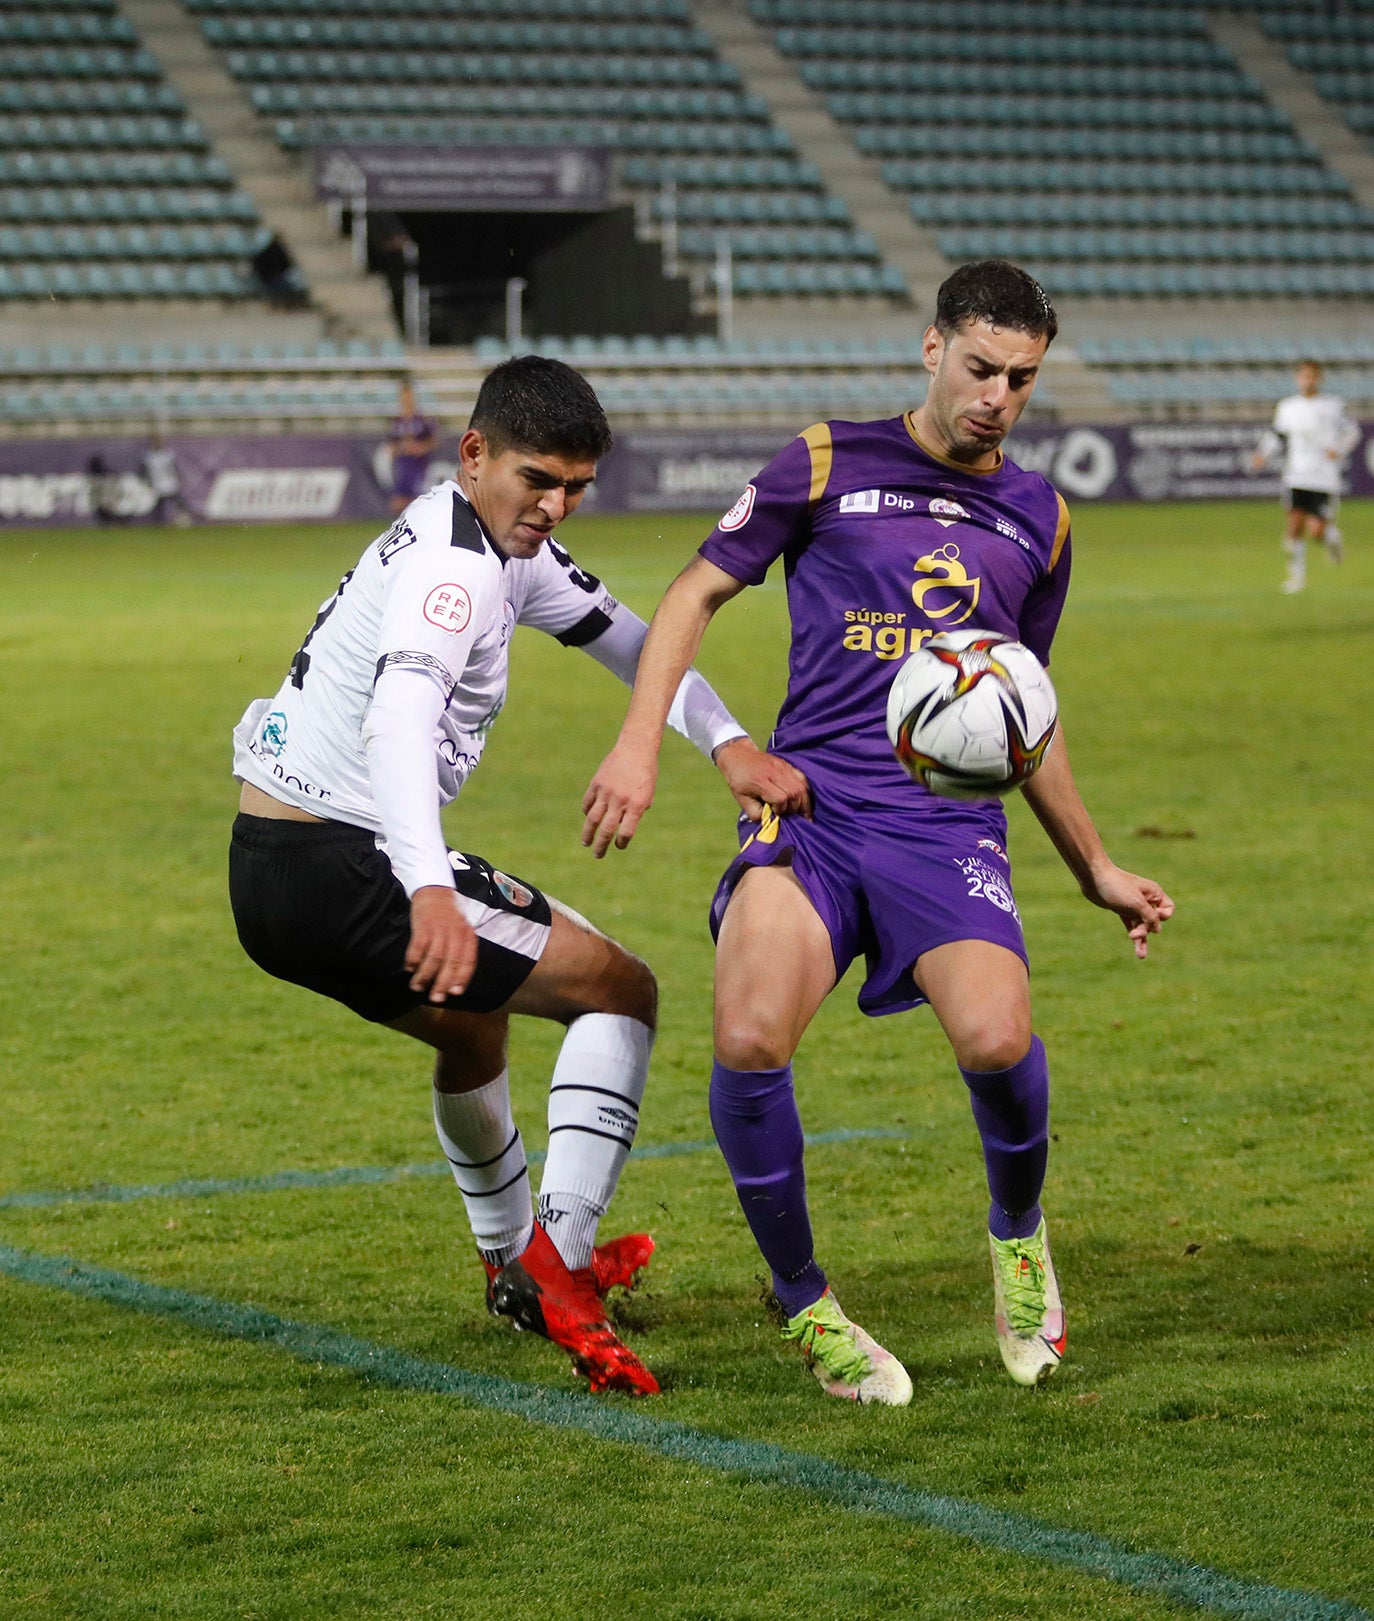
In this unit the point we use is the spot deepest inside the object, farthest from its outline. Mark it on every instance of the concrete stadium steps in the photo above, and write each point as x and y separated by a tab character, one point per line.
638	76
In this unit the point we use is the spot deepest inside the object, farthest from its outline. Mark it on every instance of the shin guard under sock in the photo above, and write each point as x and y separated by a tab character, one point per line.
754	1116
1012	1111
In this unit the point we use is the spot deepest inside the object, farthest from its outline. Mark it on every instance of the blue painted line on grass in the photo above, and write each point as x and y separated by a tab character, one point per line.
345	1176
1152	1574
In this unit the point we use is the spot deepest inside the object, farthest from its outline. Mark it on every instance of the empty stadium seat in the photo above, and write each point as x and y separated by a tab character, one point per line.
632	75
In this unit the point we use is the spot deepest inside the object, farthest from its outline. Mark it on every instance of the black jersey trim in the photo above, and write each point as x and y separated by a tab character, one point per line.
467	530
587	629
422	663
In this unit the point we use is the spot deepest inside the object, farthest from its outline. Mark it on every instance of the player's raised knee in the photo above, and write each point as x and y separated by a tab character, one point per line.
993	1044
634	988
747	1041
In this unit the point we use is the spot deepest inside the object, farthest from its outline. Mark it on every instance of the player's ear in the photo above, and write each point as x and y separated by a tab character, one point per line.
472	451
932	348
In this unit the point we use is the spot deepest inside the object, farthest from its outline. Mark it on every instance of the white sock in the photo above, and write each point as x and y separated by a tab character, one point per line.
594	1098
1335	542
1297	560
478	1135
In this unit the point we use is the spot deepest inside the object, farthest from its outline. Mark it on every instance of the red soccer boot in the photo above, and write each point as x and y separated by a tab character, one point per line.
616	1264
539	1294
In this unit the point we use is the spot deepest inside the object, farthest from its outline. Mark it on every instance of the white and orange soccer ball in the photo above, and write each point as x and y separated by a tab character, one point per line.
972	714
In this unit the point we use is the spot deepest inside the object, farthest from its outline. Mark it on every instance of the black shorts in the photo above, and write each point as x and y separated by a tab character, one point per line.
318	904
1317	503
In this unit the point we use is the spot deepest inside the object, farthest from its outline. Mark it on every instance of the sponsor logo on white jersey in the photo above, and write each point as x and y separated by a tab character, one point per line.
274	734
738	515
449	607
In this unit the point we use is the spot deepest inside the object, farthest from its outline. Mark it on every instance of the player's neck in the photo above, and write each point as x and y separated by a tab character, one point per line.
928	435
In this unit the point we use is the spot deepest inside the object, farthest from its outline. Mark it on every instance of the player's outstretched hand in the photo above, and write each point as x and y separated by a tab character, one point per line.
443	946
1140	903
757	779
617	797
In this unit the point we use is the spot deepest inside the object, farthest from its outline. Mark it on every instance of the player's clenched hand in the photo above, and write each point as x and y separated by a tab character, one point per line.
617	797
443	946
1139	902
757	779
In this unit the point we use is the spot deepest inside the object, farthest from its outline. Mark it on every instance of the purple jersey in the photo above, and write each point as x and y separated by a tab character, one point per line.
884	543
407	471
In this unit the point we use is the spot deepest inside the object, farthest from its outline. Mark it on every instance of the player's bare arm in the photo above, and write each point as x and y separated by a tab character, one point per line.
1140	903
443	945
622	789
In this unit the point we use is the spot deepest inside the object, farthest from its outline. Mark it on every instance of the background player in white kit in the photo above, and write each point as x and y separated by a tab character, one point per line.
1316	433
340	879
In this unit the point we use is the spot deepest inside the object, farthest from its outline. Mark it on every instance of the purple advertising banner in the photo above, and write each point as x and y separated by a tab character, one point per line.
473	179
233	479
1143	461
262	479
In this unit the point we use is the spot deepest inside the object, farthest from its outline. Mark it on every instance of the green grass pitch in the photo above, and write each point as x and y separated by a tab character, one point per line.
1209	1184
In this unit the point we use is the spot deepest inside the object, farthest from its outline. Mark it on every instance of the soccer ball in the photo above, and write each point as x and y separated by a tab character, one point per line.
971	714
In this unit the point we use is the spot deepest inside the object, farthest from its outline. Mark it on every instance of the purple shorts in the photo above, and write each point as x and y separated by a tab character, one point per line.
408	475
890	886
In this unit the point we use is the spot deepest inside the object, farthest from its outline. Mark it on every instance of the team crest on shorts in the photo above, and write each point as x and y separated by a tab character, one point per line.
986	883
992	844
514	891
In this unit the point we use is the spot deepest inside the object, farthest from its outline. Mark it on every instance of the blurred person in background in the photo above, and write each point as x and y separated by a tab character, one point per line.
275	275
164	480
413	438
1315	433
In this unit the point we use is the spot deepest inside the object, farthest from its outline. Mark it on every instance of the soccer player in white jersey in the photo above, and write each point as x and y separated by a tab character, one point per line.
1316	433
340	879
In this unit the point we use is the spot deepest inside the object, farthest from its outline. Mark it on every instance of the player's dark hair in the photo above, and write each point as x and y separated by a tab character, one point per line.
1307	360
540	405
998	292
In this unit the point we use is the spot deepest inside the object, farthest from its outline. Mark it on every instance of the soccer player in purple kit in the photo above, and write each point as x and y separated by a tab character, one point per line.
414	438
889	531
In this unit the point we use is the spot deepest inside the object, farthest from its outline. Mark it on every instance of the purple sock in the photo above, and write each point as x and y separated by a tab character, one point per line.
1012	1111
754	1115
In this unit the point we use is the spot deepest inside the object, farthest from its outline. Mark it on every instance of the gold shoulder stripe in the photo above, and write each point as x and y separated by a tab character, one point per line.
822	449
1061	533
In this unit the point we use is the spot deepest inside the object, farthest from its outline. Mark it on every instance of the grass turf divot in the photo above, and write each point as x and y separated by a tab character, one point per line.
346	1176
1152	1574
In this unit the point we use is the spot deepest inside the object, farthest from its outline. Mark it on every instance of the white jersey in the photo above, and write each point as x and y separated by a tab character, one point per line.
1316	434
160	469
386	708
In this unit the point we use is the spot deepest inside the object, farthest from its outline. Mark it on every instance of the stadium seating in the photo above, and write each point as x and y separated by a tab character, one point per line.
703	157
640	379
782	380
190	385
1117	150
107	189
1335	47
